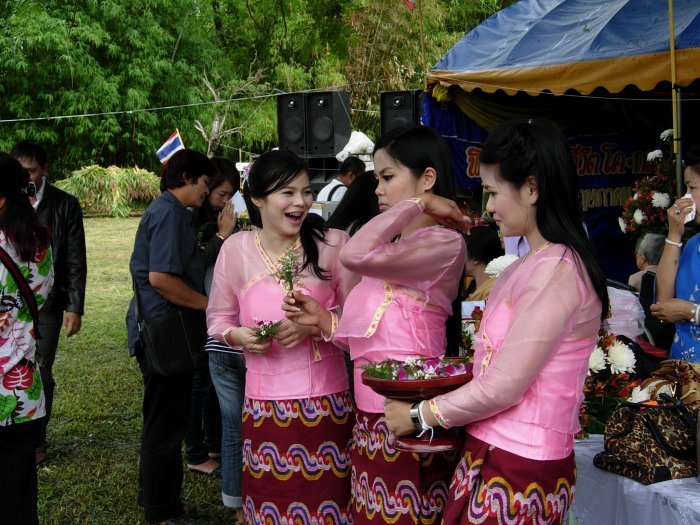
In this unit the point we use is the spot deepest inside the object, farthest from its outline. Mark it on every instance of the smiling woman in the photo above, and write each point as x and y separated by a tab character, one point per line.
297	404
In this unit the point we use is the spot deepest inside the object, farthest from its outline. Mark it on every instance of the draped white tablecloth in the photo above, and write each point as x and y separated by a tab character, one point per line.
605	498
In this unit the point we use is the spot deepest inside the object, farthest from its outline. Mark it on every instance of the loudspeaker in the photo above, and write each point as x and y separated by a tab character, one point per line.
399	108
291	122
327	122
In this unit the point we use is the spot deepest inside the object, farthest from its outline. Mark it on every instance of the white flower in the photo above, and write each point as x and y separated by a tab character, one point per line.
639	217
660	200
635	196
656	154
623	226
596	362
497	265
665	135
621	358
639	395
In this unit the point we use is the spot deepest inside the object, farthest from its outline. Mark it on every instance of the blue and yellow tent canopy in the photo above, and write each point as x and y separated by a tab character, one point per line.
537	46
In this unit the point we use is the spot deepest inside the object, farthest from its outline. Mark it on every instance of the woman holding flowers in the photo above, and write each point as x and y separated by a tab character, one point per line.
297	414
411	269
532	348
678	276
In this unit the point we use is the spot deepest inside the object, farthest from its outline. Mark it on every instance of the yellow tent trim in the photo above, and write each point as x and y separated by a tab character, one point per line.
643	71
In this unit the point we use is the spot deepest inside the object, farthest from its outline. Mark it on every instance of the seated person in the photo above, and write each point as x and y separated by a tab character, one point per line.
647	255
351	168
483	245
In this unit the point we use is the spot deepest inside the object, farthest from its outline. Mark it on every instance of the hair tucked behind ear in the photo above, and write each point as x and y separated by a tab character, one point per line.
270	172
536	148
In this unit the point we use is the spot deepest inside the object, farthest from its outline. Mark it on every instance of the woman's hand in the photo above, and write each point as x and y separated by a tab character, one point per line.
304	309
398	417
226	221
676	217
248	339
291	334
444	211
672	310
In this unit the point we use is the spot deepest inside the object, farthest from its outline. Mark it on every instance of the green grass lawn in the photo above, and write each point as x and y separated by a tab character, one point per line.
91	474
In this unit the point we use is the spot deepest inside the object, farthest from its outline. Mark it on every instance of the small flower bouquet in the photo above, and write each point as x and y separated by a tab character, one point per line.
609	383
288	273
411	368
266	329
645	210
470	327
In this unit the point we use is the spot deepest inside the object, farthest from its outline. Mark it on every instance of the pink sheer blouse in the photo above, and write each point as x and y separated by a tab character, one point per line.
532	349
245	290
400	306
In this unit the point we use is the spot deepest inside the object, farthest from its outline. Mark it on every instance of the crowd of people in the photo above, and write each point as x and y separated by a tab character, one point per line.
296	306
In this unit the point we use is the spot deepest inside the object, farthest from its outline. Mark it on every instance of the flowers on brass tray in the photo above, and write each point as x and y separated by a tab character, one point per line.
288	273
609	382
417	368
266	329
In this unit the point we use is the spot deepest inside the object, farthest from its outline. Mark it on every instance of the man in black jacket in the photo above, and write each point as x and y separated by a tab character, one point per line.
61	213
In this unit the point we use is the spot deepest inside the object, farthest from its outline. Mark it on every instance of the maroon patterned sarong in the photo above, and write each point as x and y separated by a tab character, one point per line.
492	486
296	460
391	486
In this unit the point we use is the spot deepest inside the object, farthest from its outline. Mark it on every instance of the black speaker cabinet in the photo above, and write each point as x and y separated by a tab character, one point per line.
291	123
327	122
399	108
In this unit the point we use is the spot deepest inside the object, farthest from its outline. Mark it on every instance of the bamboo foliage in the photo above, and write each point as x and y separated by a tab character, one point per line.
112	191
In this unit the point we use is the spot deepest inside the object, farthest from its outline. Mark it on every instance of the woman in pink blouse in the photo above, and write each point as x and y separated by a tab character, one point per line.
26	241
297	414
411	268
538	331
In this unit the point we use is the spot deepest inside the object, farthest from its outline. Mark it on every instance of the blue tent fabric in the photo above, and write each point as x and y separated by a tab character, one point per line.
546	33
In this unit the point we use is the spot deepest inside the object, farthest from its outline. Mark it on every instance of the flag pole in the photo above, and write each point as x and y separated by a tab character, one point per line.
422	44
674	98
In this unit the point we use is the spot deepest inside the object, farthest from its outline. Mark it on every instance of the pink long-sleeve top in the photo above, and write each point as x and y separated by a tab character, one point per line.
400	306
531	358
245	289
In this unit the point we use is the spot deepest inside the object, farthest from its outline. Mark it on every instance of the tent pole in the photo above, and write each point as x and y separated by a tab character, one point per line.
674	94
422	45
679	143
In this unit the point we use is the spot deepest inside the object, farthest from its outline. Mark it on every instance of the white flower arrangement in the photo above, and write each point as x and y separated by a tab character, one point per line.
660	200
666	134
621	358
656	154
639	216
622	224
597	361
497	265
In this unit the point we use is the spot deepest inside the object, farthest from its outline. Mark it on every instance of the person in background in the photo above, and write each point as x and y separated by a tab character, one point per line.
411	269
483	245
213	222
647	256
537	333
60	212
167	270
358	205
349	170
26	241
297	415
678	275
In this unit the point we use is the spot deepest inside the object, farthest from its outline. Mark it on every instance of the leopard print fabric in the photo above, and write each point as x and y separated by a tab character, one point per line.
650	443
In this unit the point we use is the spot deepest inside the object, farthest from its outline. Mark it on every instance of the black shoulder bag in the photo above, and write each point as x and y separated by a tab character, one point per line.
24	288
173	343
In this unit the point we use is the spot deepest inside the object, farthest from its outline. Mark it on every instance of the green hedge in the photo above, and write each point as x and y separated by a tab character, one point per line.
112	191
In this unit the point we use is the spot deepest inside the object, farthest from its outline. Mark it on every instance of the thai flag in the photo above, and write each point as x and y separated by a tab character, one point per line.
169	147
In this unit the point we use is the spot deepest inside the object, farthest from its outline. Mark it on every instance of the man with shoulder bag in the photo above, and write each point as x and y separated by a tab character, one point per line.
167	327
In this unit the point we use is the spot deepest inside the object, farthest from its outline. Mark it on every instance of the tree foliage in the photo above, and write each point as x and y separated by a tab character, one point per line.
139	67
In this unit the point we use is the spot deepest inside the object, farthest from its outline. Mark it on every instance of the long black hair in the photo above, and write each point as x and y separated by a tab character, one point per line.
419	147
536	148
270	172
225	172
18	219
358	205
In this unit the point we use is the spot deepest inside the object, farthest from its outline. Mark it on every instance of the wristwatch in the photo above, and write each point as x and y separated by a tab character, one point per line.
415	417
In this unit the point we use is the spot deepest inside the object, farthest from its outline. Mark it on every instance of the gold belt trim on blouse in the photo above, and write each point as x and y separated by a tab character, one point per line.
388	295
